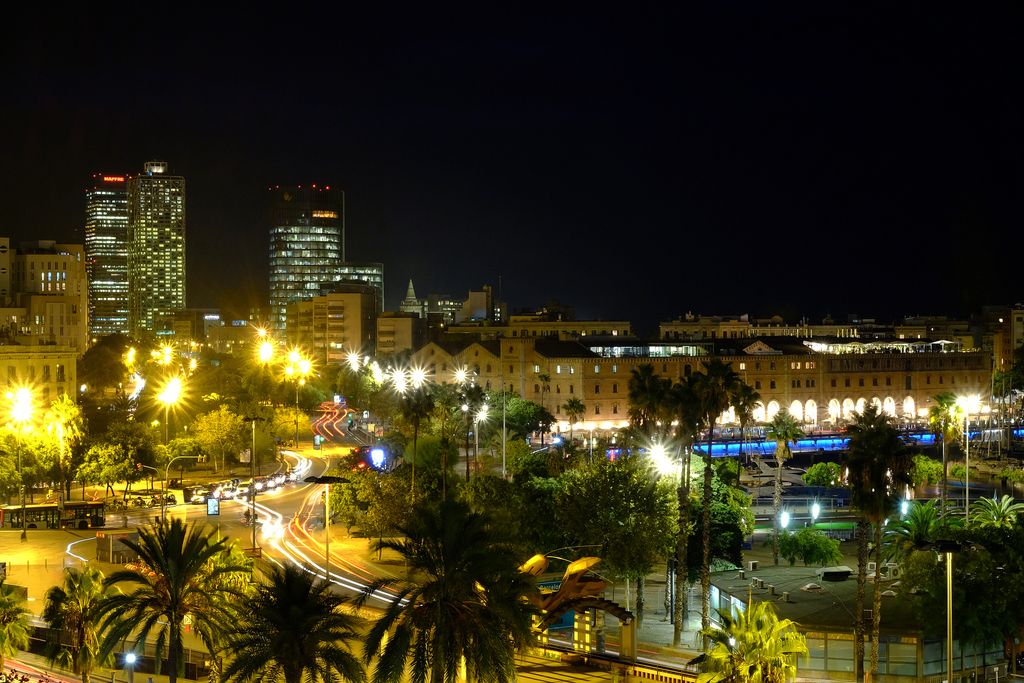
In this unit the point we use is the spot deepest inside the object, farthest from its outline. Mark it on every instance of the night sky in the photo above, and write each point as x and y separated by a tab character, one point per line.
756	158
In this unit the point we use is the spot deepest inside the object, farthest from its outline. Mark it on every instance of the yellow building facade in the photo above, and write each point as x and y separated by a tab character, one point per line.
821	387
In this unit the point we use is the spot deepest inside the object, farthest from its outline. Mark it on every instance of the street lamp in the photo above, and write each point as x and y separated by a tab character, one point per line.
328	480
252	488
967	405
784	519
815	512
21	414
481	415
129	664
299	367
167	471
169	396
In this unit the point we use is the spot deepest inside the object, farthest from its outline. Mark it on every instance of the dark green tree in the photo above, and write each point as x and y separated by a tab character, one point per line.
623	508
72	610
416	405
823	474
176	575
784	430
716	388
465	599
294	628
879	463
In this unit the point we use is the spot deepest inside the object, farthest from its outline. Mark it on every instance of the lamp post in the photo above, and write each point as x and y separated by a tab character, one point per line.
252	488
966	403
129	665
299	368
21	415
169	395
328	480
167	471
480	415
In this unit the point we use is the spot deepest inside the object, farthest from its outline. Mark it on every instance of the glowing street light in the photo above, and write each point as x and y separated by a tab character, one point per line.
661	460
399	380
815	512
784	519
299	368
266	352
418	377
129	663
968	404
461	375
169	396
352	358
481	416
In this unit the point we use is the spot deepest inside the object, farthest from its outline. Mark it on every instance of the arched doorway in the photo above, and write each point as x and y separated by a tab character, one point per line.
889	406
849	408
909	408
796	409
811	412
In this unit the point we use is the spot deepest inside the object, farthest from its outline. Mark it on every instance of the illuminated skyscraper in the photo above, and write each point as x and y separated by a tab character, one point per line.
307	244
106	253
156	246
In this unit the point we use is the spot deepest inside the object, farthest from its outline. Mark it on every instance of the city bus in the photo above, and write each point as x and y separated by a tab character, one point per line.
77	514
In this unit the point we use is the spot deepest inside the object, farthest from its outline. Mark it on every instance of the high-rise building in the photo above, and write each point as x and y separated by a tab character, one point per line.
307	244
368	273
106	253
156	246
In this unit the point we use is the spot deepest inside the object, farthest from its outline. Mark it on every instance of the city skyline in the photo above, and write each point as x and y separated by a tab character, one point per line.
721	161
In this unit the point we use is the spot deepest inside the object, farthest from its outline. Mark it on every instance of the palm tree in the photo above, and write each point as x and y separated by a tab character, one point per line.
473	397
684	404
943	421
294	628
753	646
176	575
784	430
745	401
574	409
65	424
446	407
917	530
996	513
14	623
416	405
715	389
647	395
545	386
879	464
73	612
464	600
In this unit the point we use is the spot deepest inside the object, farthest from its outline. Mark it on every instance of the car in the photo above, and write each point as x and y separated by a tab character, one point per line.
199	496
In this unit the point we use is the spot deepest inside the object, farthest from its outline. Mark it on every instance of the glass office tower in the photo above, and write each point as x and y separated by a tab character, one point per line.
106	253
156	246
307	244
